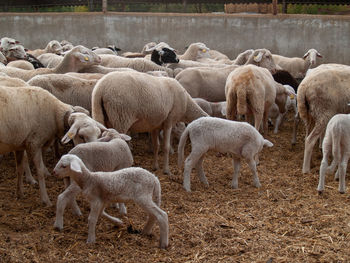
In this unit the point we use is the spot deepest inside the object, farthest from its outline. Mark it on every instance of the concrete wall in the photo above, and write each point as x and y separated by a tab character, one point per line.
290	35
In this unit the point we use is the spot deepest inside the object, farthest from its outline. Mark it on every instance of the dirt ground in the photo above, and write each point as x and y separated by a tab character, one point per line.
283	221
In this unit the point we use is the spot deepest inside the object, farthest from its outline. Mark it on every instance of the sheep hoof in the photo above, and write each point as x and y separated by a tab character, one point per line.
90	241
342	192
320	192
58	227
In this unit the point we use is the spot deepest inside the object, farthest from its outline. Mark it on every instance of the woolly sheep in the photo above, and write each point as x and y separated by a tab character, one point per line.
208	133
297	67
52	47
164	56
252	90
195	51
38	118
133	183
110	153
67	88
75	60
139	64
50	60
337	143
322	94
103	51
209	83
14	53
143	103
22	64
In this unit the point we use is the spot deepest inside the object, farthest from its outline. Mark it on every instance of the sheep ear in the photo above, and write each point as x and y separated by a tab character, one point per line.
306	54
75	166
125	137
258	57
70	134
319	55
101	127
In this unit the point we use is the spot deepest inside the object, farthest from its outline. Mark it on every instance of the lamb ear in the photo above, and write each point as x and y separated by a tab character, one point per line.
70	134
75	166
125	137
258	57
319	55
306	54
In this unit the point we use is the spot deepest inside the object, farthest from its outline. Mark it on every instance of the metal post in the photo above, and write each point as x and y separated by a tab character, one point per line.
274	7
104	6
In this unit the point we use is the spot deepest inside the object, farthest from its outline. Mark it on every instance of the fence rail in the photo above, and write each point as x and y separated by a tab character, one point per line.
51	3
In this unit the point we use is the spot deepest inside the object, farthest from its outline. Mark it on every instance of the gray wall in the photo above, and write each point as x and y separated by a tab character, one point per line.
290	35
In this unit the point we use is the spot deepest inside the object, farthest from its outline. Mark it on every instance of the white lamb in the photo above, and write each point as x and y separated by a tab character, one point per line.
337	143
298	67
109	153
225	136
102	188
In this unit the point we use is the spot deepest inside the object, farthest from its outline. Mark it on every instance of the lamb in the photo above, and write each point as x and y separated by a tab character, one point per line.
337	142
209	133
75	60
195	51
209	83
322	94
252	90
37	117
110	153
143	103
139	64
274	111
133	183
214	109
52	47
297	67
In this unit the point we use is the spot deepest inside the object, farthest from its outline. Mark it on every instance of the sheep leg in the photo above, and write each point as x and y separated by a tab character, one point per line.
309	145
200	171
252	166
190	162
278	122
113	219
266	121
236	168
323	168
155	213
40	168
27	172
258	117
167	132
342	173
96	208
20	170
67	196
295	128
121	207
155	143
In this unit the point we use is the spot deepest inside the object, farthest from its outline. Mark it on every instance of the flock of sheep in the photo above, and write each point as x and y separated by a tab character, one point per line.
46	96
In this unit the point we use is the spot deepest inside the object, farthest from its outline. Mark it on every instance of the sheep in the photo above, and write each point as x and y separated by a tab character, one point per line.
103	51
242	58
143	103
337	142
50	60
164	56
297	67
52	47
214	109
139	64
225	136
70	89
3	59
209	83
132	183
110	153
14	53
195	51
274	111
37	117
322	94
66	45
285	78
75	60
6	43
252	90
22	64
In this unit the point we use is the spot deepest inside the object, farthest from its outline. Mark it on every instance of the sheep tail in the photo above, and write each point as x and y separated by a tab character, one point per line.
303	105
157	192
268	143
231	105
181	147
242	99
98	110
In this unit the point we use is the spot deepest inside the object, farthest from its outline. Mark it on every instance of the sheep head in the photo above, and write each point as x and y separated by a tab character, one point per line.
67	164
311	55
